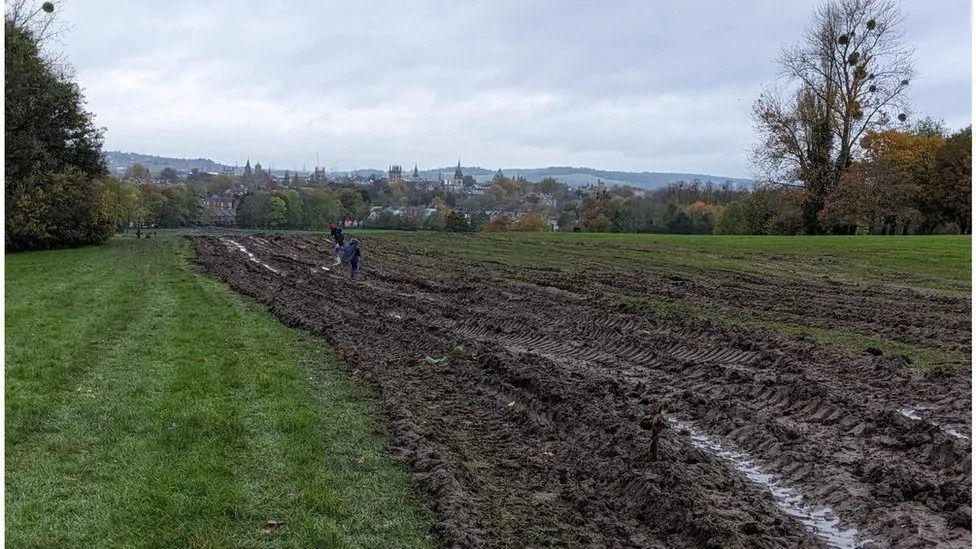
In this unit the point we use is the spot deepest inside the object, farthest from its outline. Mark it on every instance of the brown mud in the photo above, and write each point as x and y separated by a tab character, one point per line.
535	427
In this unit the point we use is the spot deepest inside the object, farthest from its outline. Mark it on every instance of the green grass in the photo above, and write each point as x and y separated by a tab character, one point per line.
928	263
146	405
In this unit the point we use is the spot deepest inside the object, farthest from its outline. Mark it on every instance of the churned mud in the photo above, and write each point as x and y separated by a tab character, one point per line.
522	401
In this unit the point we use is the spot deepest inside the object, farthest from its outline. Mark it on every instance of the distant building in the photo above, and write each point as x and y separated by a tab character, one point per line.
219	210
395	174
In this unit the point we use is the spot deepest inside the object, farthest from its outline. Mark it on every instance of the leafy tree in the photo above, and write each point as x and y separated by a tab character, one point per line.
277	212
66	208
950	189
320	209
531	221
169	175
294	216
883	191
848	76
52	153
548	186
732	220
353	205
758	210
138	173
456	222
500	223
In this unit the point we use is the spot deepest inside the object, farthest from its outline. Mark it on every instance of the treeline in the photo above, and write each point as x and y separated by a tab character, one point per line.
302	208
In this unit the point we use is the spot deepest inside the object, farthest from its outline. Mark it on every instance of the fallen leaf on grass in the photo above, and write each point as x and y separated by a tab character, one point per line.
360	460
271	526
432	360
510	404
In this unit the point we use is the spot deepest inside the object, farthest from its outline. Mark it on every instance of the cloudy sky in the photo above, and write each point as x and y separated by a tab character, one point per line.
658	86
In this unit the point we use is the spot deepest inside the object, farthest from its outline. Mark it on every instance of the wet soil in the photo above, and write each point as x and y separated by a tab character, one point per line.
521	399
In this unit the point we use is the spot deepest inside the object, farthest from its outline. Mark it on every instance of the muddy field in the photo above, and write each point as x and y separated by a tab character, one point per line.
521	399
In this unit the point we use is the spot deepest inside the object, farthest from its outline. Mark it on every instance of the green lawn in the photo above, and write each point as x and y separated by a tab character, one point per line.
148	405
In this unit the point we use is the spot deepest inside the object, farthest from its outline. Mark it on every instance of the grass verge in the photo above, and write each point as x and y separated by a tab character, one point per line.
149	406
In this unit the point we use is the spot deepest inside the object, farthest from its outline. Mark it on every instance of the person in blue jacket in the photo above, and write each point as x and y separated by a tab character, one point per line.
351	255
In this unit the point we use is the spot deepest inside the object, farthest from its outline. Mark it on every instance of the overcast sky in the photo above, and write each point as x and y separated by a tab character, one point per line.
658	86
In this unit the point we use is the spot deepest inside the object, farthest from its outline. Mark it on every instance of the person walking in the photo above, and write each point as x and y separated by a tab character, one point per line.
339	239
352	255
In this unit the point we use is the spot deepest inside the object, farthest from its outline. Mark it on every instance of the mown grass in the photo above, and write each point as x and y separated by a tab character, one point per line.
146	405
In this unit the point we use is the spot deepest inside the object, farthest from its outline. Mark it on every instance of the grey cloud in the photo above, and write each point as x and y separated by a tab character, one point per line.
622	85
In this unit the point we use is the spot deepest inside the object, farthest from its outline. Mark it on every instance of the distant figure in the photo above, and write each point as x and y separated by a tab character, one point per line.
332	230
339	239
351	256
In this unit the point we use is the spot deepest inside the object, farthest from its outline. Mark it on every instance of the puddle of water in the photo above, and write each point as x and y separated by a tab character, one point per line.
252	257
912	413
821	521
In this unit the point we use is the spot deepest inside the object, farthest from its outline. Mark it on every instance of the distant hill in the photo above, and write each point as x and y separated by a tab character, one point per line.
585	176
119	161
575	177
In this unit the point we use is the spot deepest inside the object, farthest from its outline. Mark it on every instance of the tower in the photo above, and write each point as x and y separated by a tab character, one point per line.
395	174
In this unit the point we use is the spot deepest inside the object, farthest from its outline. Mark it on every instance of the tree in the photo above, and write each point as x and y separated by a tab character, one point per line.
884	190
848	77
277	212
500	223
353	205
950	190
137	173
531	221
295	215
320	208
732	220
456	222
169	175
53	161
548	185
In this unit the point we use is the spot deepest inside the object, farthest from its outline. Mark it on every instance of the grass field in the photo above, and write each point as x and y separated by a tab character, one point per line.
941	263
148	406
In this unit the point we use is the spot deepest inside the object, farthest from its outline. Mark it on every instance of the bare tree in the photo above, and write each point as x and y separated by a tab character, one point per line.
847	77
